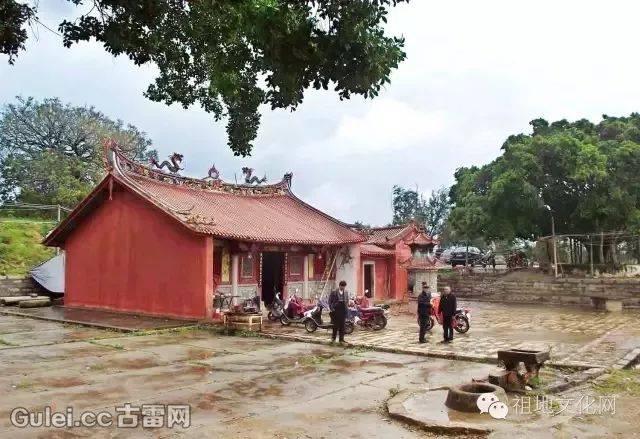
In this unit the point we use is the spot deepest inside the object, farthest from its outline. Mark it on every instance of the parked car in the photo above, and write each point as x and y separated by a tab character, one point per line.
471	255
445	254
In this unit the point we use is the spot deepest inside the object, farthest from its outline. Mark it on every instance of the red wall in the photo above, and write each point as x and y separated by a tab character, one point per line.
383	281
129	256
400	277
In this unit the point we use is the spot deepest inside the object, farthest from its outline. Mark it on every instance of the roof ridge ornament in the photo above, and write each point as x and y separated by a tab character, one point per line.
251	179
173	164
213	173
117	163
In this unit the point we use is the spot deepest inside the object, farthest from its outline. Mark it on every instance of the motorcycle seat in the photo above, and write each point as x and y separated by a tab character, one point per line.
371	309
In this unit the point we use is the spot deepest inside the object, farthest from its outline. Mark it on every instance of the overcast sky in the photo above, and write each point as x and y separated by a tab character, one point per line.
476	72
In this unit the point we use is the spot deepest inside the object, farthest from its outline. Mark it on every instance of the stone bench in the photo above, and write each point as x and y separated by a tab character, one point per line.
607	303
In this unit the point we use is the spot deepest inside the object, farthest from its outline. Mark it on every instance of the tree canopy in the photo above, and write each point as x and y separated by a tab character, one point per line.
51	153
232	56
583	174
410	205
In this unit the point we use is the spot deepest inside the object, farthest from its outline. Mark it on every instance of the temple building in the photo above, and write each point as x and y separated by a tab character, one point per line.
395	258
153	242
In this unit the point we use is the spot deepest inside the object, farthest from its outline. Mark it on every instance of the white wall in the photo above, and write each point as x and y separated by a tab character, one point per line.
349	272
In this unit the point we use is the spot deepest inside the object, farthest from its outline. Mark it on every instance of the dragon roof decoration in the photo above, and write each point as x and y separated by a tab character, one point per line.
116	161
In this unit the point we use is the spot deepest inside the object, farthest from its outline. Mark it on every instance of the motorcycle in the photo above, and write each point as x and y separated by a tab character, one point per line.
374	317
314	319
461	319
276	309
294	310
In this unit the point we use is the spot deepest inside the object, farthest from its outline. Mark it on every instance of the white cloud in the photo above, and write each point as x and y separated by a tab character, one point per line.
476	72
387	127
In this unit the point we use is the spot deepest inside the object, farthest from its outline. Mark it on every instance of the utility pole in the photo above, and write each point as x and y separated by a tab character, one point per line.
555	250
591	254
59	217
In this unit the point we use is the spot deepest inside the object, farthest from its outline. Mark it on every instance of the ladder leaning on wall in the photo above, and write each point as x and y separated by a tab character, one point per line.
328	269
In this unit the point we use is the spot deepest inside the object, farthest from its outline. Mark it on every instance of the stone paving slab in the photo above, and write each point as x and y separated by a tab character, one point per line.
577	338
97	318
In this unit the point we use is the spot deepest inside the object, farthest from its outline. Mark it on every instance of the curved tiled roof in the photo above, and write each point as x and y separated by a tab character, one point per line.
255	213
374	250
386	235
270	218
410	233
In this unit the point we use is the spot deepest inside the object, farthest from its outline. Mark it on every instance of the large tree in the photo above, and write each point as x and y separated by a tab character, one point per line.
410	205
232	56
51	153
581	174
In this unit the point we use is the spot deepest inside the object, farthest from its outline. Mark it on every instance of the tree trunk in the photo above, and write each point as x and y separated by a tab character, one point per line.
601	249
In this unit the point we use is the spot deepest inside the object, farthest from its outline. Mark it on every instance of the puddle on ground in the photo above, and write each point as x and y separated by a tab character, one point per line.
61	382
130	364
199	354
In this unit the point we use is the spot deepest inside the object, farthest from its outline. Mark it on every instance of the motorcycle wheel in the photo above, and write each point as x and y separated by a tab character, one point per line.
310	325
271	316
461	324
284	320
430	324
348	327
379	322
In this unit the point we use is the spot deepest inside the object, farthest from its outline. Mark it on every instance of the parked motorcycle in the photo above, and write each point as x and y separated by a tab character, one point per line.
294	310
374	317
461	319
276	309
314	319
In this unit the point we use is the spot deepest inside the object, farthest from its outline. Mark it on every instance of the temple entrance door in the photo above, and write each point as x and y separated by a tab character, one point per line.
369	277
272	275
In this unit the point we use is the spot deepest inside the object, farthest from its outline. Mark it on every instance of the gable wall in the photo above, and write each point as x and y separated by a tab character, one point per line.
128	256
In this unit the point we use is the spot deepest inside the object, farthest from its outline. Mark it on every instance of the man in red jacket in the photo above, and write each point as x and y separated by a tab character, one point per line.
447	307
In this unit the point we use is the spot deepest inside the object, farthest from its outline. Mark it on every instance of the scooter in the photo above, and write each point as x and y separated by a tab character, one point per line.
314	319
276	310
294	310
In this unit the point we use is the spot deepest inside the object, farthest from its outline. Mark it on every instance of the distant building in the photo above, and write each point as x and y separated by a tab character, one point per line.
395	258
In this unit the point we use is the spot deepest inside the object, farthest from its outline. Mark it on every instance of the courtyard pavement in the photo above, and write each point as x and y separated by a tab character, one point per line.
576	337
236	387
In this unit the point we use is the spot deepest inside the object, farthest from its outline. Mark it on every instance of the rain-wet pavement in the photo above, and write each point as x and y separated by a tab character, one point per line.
575	336
97	318
236	386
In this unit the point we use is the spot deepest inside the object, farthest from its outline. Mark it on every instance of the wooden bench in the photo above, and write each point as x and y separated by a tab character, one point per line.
606	303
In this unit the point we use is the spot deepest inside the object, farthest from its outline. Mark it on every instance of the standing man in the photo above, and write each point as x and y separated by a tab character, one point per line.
338	303
424	311
447	307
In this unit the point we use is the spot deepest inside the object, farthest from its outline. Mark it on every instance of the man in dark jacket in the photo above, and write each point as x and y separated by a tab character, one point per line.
424	311
338	303
447	307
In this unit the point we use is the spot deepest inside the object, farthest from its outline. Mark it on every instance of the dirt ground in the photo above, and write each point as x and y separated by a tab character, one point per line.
236	386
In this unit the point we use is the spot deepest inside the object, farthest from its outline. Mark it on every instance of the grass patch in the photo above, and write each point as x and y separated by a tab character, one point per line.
357	350
178	330
393	391
24	384
199	363
4	342
98	367
314	360
619	382
20	245
116	346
